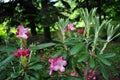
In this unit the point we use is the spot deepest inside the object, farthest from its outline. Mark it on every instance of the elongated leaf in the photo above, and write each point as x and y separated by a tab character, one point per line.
15	75
83	57
26	77
57	53
8	49
36	67
104	72
76	48
42	46
91	62
6	61
32	78
103	60
109	55
72	78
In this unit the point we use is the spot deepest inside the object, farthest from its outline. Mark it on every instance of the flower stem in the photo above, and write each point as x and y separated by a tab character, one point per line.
102	50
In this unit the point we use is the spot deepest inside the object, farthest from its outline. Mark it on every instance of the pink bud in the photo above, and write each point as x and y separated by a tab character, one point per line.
80	31
94	78
90	76
17	33
90	71
73	74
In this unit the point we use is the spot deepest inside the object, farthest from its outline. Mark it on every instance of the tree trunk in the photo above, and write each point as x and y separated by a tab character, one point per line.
33	29
47	34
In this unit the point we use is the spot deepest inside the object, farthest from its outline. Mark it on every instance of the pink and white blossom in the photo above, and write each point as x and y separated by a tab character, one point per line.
70	27
73	74
22	32
57	64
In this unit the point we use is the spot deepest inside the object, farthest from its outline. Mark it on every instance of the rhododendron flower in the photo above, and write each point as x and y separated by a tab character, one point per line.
73	74
91	75
22	32
91	78
22	53
80	31
91	71
70	27
57	64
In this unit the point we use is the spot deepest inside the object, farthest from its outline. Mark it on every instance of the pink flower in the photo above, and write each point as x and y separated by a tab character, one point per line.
26	52
22	32
73	74
94	78
16	54
80	31
57	64
91	71
90	75
53	63
22	53
70	27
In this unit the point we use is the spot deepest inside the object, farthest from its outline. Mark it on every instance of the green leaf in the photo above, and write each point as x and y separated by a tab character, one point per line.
72	78
74	14
32	78
64	55
26	77
36	67
36	75
83	57
15	75
8	49
103	60
42	46
91	62
104	72
76	48
109	55
6	61
57	53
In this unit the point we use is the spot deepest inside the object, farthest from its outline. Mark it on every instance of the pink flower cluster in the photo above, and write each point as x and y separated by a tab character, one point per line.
22	53
73	74
57	64
91	75
70	27
22	32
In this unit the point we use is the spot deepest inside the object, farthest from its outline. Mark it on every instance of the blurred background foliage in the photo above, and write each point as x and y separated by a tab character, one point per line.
40	15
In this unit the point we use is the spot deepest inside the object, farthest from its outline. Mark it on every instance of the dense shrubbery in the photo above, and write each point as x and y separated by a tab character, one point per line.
76	54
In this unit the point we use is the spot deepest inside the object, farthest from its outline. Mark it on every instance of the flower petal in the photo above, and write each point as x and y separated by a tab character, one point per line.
22	32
